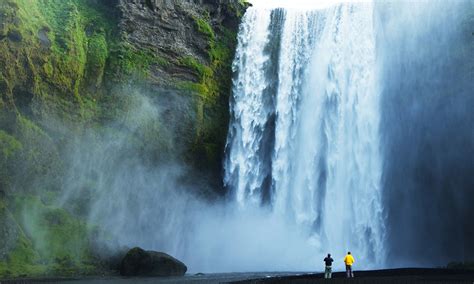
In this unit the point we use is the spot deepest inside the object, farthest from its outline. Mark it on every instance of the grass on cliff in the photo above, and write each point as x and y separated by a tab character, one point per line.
129	62
204	27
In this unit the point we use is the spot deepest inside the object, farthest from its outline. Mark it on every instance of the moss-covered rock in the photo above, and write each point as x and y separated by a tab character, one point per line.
69	68
43	240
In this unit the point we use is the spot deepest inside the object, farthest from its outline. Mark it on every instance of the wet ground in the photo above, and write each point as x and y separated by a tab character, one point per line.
405	275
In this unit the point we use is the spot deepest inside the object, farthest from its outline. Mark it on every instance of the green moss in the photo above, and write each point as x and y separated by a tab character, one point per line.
162	61
8	145
71	54
9	148
192	87
22	262
204	27
89	108
52	241
129	61
213	88
69	41
209	87
32	136
201	69
38	159
97	54
215	78
213	123
48	69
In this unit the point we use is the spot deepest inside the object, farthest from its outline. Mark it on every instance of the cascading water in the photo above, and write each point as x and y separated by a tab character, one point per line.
303	138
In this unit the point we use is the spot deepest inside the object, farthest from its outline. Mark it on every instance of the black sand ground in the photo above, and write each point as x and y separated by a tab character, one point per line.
404	275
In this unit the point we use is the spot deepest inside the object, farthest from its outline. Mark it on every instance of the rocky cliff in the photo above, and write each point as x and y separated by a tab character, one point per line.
192	43
74	74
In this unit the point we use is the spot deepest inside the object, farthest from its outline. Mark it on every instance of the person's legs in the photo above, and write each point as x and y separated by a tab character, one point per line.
348	269
351	272
330	272
326	272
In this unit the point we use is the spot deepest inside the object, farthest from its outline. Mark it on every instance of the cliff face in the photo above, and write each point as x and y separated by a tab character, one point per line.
193	44
74	75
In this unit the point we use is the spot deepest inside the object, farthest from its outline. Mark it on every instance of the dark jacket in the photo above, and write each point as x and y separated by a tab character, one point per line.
328	261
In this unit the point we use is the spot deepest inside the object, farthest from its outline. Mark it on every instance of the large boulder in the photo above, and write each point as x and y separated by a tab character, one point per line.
138	262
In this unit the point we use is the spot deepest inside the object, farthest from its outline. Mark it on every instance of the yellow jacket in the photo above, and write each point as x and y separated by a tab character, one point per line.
349	260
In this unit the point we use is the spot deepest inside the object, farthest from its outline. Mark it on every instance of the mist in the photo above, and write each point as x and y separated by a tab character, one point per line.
129	181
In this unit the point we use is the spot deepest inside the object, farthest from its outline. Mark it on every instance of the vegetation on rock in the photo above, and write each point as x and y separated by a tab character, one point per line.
71	66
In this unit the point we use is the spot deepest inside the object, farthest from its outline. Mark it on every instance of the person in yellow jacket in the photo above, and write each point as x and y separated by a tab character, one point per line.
349	260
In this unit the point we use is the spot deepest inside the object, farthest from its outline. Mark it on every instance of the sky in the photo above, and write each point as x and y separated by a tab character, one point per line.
299	4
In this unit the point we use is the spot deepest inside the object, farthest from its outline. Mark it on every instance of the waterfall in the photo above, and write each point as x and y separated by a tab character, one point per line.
303	140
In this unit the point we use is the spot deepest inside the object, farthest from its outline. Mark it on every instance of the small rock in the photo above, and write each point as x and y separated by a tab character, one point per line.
15	36
138	262
43	37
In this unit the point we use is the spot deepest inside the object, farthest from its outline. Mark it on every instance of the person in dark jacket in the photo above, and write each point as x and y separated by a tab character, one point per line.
328	261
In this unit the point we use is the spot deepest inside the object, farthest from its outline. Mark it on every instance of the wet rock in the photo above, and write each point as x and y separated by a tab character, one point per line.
43	37
169	28
15	36
138	262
